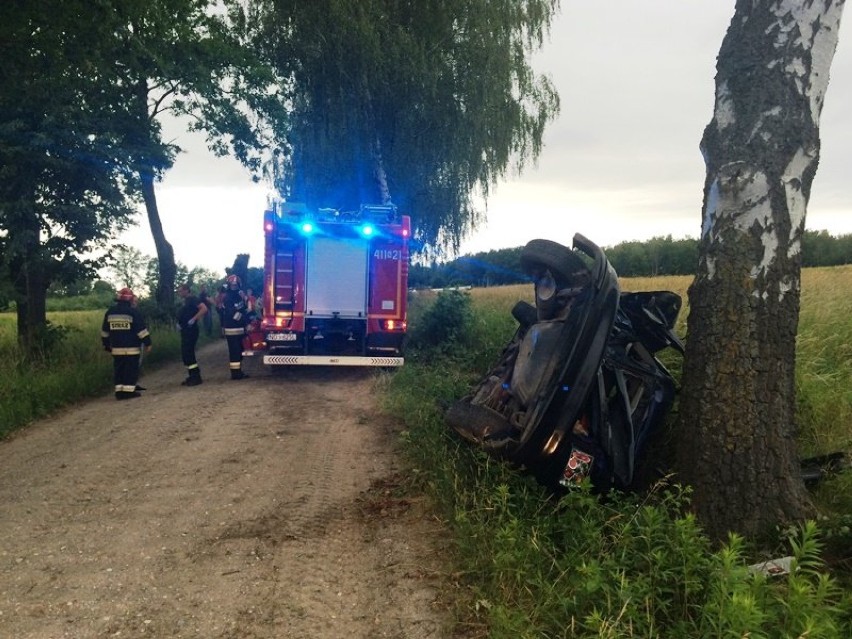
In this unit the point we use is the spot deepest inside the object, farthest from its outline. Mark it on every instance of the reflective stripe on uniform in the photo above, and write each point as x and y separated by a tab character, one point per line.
121	388
143	333
235	331
191	366
235	366
133	350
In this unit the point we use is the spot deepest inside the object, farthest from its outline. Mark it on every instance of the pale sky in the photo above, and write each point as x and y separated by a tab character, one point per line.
636	81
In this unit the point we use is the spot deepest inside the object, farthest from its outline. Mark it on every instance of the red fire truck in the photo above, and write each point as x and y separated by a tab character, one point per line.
335	284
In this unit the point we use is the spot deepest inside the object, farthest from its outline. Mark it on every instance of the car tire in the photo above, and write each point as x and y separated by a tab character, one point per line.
562	262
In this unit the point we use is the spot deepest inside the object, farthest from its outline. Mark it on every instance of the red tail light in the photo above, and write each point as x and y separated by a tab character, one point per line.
395	325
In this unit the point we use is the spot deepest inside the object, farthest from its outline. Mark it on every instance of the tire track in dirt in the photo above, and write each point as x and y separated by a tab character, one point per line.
232	509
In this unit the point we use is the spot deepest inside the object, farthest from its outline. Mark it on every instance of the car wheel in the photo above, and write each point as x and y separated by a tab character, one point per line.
564	264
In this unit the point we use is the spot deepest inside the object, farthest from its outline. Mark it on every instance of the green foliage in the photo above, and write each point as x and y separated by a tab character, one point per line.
654	257
492	268
66	184
627	566
819	248
82	88
97	299
435	101
442	326
128	267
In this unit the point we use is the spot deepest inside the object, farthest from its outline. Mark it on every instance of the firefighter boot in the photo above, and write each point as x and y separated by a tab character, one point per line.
194	378
238	374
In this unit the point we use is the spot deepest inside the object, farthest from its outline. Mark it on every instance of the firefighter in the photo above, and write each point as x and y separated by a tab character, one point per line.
234	319
190	313
124	333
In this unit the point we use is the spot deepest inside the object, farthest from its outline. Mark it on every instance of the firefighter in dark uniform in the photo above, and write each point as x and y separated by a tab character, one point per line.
234	320
124	333
189	314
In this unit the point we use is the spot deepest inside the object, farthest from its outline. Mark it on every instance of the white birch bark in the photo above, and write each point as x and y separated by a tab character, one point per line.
738	438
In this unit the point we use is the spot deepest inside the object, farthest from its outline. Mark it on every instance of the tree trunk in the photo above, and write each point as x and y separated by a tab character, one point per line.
737	442
31	286
165	293
30	281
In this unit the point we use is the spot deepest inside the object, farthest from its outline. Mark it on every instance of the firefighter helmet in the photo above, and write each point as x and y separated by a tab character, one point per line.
234	281
125	295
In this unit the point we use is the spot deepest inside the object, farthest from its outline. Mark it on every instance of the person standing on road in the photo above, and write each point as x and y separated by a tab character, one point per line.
234	320
124	334
192	310
207	319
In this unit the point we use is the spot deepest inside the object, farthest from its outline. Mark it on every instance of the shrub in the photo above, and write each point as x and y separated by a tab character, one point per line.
444	327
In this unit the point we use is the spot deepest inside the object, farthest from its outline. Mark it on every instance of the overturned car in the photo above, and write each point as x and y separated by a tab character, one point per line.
578	392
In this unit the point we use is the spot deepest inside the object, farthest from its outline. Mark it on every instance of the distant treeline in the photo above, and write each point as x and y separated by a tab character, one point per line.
657	256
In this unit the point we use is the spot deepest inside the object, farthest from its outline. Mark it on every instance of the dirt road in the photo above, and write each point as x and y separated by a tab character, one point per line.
257	508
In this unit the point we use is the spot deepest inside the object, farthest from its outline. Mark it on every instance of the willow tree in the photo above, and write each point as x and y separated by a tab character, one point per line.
421	103
738	435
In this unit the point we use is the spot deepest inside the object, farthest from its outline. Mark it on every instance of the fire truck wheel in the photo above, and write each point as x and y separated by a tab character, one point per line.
475	423
564	264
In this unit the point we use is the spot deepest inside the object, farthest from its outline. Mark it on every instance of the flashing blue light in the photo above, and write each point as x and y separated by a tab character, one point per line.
367	230
306	227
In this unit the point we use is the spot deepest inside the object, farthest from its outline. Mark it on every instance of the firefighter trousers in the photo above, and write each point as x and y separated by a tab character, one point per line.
125	369
235	351
188	340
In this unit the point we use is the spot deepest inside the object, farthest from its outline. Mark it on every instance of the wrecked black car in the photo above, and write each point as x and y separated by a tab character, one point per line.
578	392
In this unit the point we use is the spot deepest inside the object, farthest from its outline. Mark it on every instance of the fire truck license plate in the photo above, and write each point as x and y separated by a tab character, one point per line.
281	337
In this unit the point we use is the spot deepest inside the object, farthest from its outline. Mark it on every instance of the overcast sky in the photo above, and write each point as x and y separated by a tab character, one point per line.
636	81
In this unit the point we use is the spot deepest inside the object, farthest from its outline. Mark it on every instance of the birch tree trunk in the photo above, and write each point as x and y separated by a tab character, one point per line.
737	440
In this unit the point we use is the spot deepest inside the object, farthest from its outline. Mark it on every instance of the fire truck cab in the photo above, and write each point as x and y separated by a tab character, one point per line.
335	285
